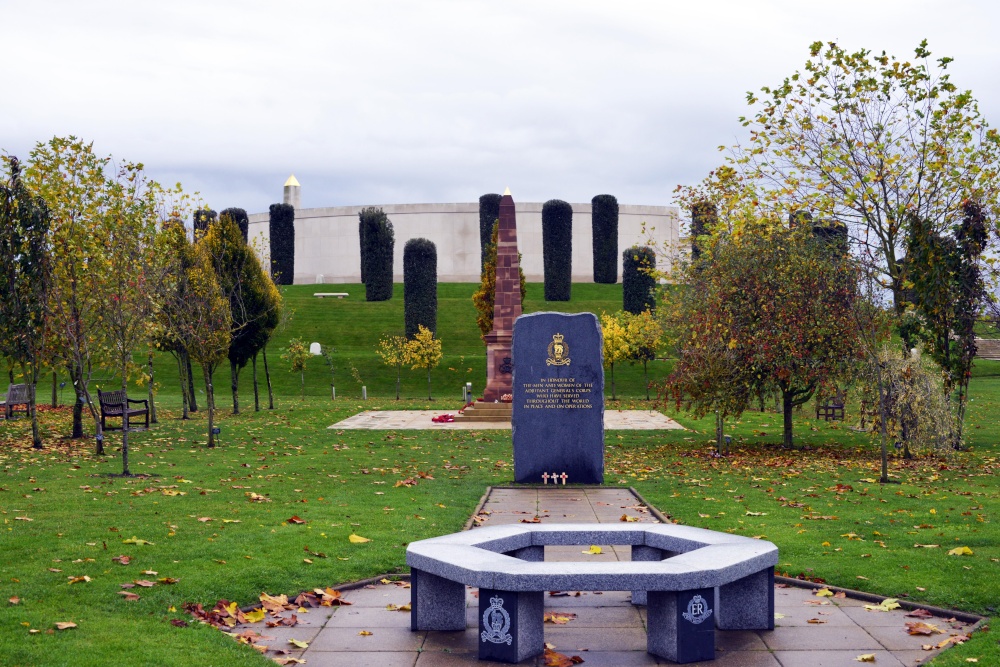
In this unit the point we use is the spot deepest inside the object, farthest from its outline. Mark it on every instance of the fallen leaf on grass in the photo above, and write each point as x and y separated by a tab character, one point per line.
295	519
79	580
558	618
145	583
257	498
357	539
136	540
594	550
14	600
926	546
22	518
168	580
178	623
123	559
131	597
65	625
960	551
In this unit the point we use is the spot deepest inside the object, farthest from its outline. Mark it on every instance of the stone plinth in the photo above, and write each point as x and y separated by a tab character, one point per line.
506	306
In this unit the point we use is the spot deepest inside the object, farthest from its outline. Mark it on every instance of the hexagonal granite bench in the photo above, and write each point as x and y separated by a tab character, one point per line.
691	579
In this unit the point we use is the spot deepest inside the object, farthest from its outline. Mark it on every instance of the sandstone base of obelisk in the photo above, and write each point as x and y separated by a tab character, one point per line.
499	366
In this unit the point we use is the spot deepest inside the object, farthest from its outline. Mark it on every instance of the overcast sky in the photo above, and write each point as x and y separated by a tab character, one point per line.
374	102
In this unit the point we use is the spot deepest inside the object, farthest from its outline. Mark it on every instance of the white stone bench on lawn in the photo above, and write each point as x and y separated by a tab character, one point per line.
691	579
323	295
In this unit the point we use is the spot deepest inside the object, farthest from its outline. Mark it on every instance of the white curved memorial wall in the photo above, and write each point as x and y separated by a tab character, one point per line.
327	248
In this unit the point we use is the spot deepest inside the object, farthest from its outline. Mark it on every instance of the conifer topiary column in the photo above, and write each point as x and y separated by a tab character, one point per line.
380	241
282	232
419	286
604	223
239	216
202	218
557	249
703	218
637	281
489	213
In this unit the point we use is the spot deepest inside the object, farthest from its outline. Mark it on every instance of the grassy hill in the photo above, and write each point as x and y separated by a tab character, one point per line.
353	327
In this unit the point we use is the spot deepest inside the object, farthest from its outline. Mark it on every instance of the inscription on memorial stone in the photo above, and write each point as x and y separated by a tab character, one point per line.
558	411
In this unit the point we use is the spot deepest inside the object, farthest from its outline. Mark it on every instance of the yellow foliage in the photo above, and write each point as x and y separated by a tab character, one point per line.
424	351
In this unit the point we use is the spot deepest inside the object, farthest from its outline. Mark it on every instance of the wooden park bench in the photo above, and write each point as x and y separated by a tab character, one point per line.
113	405
18	395
831	409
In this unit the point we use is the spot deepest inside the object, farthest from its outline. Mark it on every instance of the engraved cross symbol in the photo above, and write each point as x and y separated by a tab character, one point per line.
545	478
563	477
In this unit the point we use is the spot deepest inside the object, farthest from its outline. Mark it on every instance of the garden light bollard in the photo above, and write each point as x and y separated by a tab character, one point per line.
364	393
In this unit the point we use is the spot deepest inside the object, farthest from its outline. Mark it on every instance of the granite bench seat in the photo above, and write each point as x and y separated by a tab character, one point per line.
684	575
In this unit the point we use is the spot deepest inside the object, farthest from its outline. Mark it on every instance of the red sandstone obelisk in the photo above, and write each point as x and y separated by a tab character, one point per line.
506	306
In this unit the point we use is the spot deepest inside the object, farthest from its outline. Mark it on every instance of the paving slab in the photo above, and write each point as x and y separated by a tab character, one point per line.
810	631
401	420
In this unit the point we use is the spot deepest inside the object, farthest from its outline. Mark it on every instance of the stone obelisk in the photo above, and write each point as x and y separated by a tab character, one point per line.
506	306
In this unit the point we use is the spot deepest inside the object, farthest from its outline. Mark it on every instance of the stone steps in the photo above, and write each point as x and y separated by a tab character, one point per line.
988	348
486	412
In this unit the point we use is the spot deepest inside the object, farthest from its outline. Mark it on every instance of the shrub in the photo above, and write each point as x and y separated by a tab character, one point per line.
282	231
419	285
380	241
202	218
489	213
703	218
604	224
557	249
361	240
637	279
239	216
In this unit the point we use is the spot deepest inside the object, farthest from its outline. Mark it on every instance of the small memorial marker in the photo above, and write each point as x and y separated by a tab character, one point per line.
545	478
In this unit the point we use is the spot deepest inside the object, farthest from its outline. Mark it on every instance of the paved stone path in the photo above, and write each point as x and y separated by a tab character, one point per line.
614	420
608	630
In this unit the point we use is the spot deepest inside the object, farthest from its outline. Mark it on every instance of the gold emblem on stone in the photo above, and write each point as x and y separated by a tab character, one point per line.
558	351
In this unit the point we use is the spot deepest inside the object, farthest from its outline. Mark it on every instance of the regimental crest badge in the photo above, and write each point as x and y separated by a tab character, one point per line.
698	610
558	351
496	620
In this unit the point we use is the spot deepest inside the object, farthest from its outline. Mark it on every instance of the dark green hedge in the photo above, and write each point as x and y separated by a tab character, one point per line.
281	227
202	218
379	243
239	216
361	239
604	223
557	249
638	284
834	234
419	285
489	213
703	217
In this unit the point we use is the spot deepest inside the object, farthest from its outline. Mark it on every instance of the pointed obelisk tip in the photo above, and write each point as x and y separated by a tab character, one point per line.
292	182
506	192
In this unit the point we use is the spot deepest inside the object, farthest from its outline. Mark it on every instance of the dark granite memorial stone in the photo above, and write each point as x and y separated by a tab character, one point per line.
558	411
682	625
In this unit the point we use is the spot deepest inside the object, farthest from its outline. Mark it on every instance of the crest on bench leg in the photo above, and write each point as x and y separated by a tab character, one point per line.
496	620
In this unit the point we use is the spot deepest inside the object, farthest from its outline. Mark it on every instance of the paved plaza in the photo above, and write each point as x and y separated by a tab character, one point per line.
614	420
607	630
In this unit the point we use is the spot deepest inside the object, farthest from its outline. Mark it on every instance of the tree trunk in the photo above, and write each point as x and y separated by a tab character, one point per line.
184	385
397	382
150	398
125	429
234	374
76	377
55	389
256	391
613	396
302	385
429	385
31	379
192	398
210	400
786	406
267	377
884	478
720	436
645	377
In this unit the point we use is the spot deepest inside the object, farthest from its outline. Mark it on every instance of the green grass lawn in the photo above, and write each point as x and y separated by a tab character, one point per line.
193	504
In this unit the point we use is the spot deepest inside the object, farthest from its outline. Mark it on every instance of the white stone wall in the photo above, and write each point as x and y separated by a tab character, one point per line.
327	244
